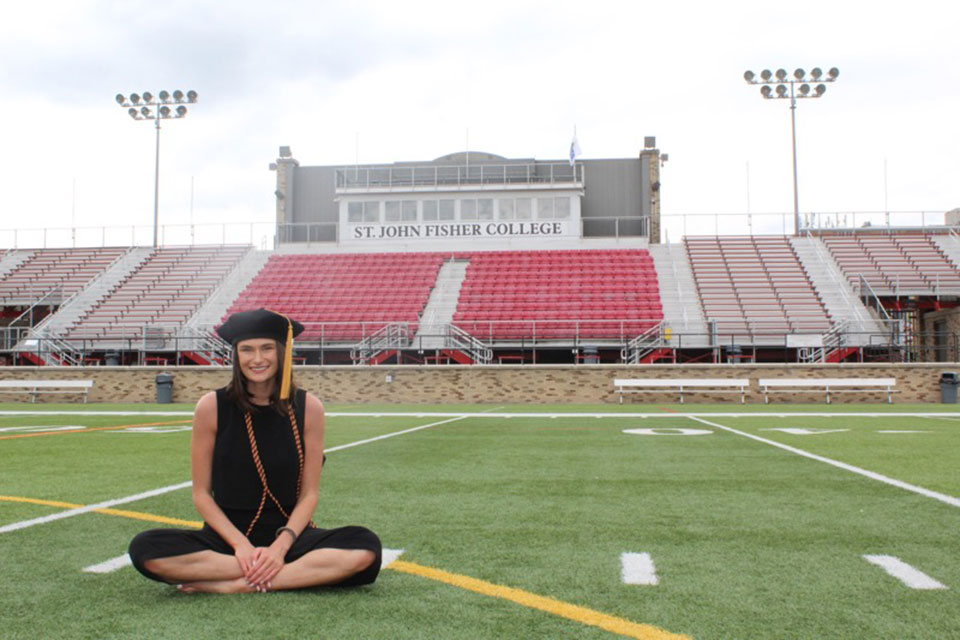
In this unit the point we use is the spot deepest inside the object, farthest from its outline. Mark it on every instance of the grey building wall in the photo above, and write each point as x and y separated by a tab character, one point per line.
616	188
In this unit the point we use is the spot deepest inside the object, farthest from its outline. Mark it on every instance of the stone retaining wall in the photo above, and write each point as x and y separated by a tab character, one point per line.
502	384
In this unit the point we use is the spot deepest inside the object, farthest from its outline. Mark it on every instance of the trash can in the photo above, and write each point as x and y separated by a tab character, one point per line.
591	355
734	353
164	388
948	387
112	358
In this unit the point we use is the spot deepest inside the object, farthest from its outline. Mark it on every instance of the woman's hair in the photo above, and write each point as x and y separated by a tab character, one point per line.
237	388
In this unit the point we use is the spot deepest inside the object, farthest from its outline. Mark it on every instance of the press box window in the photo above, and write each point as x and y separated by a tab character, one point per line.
514	208
434	210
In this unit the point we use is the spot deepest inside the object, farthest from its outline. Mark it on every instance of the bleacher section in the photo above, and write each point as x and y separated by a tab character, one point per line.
58	272
353	295
594	294
901	264
754	286
163	292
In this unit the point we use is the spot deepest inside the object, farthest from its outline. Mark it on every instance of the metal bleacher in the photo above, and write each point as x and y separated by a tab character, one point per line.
754	288
55	274
900	264
163	292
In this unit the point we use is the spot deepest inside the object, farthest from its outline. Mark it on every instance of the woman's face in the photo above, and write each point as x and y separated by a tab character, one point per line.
257	358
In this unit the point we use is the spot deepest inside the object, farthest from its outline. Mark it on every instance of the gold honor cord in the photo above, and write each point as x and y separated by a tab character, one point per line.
287	358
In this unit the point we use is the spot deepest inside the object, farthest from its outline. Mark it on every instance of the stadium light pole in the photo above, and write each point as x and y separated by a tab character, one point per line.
148	107
767	79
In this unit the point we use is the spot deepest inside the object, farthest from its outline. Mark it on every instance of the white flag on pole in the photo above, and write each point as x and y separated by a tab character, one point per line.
574	147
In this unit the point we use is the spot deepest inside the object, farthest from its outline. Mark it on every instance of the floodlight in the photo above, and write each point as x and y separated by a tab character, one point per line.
120	99
147	96
145	112
795	86
134	98
133	112
192	95
181	111
164	96
178	95
164	111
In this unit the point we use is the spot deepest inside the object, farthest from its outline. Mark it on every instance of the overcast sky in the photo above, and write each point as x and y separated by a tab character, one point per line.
397	81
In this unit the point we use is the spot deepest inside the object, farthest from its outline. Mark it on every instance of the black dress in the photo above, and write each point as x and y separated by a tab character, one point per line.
238	490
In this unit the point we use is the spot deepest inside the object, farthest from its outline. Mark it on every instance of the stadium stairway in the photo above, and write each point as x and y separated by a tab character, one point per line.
678	295
838	297
57	324
215	308
441	304
13	259
949	244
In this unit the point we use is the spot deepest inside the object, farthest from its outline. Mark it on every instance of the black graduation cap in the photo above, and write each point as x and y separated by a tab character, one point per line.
263	323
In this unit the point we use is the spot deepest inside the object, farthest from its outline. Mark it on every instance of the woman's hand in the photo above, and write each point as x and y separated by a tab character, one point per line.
246	558
266	565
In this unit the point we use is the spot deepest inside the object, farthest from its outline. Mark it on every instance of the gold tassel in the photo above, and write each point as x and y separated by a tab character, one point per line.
287	363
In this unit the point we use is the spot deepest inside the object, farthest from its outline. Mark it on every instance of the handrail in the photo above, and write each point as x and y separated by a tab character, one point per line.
394	335
873	297
36	303
826	258
644	344
460	340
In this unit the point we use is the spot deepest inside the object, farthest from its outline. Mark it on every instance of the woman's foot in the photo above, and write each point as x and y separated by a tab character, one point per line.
239	585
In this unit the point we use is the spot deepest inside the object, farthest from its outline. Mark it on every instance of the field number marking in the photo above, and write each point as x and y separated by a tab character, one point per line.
30	428
908	575
638	568
799	431
668	431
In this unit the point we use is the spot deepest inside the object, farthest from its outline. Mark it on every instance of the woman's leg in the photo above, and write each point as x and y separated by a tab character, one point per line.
200	565
323	567
315	569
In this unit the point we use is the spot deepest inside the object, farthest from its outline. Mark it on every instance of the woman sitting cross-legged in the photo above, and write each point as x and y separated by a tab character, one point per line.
256	456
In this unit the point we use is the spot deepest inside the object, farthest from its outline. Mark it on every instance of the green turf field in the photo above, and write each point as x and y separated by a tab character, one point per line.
753	521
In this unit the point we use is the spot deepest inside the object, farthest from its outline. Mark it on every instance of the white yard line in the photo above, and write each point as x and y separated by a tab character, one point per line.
390	435
23	524
388	556
908	575
638	568
942	497
109	565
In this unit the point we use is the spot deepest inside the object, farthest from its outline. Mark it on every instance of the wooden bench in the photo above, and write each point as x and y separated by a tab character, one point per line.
827	386
711	385
36	387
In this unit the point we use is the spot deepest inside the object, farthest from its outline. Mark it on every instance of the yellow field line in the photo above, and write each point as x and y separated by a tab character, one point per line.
583	615
136	515
533	601
85	430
